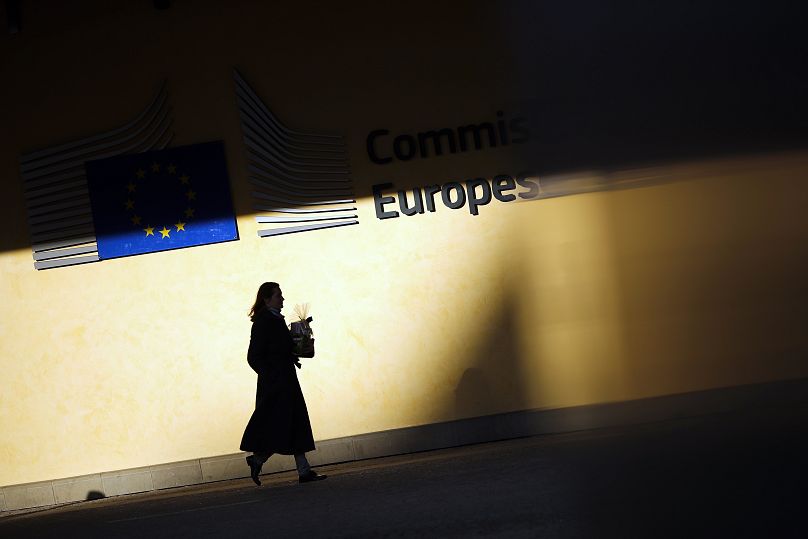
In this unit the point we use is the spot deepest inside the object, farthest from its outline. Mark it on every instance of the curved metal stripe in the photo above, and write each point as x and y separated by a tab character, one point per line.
337	154
77	168
60	244
334	151
317	190
76	185
305	196
86	155
34	188
252	102
72	261
51	216
275	175
299	211
72	204
261	167
257	108
243	85
63	234
266	171
273	198
302	195
264	168
33	185
61	253
108	142
301	219
61	224
266	160
40	202
267	153
260	139
89	140
302	228
144	144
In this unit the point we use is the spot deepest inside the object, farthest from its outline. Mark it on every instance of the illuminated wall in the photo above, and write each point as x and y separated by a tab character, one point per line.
691	280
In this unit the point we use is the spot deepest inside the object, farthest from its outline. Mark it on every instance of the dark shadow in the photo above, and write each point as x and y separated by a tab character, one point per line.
494	380
616	85
95	495
599	85
471	393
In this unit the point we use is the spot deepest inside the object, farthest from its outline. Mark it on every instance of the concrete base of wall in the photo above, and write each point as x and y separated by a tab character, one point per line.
409	440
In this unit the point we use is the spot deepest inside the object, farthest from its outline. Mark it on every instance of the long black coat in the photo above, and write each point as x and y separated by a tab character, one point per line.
280	422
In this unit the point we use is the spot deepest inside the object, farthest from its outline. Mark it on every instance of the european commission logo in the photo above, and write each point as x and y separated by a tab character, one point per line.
125	192
57	196
161	200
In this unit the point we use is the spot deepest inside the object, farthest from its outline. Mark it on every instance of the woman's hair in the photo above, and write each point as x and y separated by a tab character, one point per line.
265	291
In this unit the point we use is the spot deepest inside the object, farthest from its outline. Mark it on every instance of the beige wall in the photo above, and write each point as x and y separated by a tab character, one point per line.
693	281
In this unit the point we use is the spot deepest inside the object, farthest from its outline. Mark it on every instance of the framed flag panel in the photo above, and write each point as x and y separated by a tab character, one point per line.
161	200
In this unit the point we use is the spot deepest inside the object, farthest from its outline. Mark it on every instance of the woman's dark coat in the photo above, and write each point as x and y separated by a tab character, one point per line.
280	422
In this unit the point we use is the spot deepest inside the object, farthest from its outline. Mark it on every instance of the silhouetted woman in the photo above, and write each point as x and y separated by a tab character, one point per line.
280	422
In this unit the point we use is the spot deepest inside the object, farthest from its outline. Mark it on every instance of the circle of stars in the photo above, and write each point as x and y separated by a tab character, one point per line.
131	192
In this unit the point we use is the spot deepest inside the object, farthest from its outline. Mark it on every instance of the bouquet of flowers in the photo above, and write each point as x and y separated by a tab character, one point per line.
302	334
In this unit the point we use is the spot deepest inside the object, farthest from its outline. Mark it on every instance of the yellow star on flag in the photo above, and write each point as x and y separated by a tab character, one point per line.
131	187
191	194
172	168
164	232
155	167
149	230
180	226
136	220
189	213
184	179
130	204
140	173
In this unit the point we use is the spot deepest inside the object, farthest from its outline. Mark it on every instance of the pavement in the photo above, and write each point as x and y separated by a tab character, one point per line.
737	474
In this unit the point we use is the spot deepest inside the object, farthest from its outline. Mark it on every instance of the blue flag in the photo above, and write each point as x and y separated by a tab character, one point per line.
161	200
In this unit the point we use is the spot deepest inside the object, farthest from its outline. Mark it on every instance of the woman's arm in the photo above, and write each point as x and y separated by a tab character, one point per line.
258	352
270	344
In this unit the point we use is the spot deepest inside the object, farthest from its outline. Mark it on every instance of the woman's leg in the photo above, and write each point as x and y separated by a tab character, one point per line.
261	458
256	462
303	467
304	471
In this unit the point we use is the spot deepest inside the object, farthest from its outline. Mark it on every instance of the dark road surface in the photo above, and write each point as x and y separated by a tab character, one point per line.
740	474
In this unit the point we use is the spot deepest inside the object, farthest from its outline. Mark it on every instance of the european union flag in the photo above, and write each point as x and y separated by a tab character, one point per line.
160	200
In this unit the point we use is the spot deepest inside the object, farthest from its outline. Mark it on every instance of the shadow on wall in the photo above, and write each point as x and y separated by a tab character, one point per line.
95	495
494	381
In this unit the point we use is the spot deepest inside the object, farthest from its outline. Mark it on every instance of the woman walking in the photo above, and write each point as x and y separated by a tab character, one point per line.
280	422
